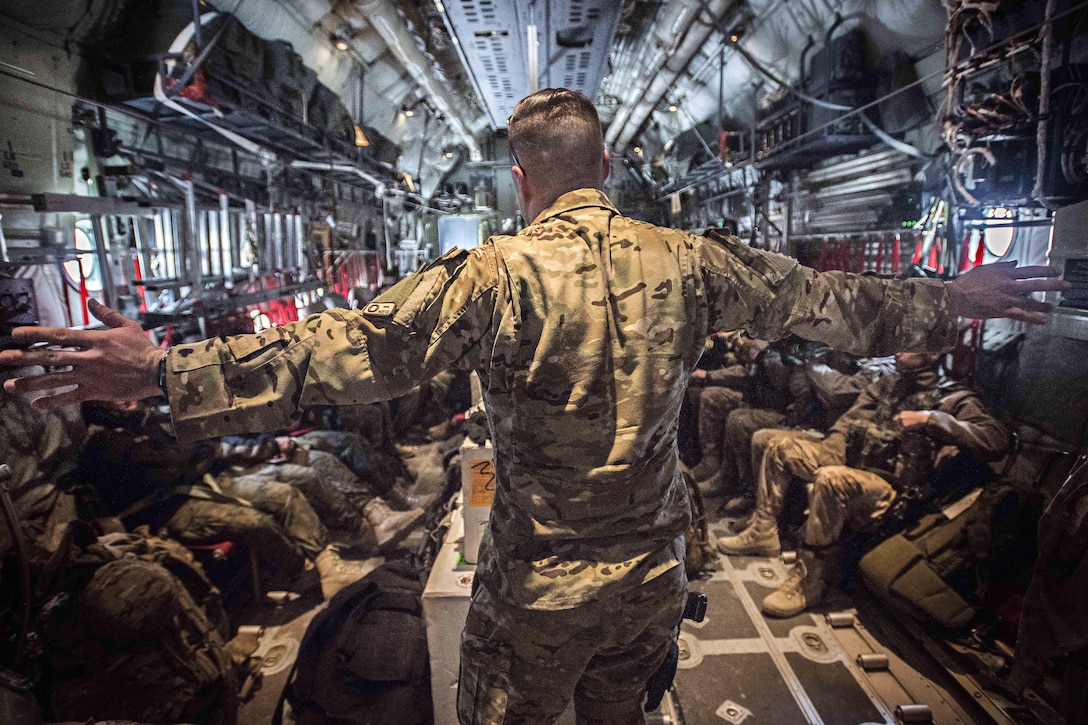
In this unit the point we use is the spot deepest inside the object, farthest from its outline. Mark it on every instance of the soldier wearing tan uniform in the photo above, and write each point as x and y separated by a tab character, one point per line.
854	474
584	329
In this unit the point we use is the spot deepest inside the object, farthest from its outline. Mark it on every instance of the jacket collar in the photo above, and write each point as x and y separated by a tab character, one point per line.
577	199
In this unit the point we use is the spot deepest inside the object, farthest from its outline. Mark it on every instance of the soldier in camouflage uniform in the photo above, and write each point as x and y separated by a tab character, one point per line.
39	448
584	329
769	390
718	393
864	464
211	491
821	393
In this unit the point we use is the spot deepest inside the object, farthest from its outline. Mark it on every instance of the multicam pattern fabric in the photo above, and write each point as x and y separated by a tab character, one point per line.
584	328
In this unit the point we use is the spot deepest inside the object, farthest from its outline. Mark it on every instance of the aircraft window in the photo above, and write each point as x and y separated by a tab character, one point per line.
999	239
85	264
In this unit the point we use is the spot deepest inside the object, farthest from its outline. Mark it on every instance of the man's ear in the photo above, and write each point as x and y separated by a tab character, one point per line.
607	166
521	190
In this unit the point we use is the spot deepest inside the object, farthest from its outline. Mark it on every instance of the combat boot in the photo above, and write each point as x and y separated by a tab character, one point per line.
390	527
760	538
804	587
335	573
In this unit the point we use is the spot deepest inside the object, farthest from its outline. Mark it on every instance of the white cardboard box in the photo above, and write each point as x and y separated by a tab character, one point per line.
445	607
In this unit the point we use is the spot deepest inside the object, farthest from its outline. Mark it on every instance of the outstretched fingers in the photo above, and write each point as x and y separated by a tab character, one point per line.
46	357
1039	284
60	336
110	316
60	400
45	381
1034	270
1034	318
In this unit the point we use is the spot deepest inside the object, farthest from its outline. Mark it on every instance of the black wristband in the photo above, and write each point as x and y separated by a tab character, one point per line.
162	374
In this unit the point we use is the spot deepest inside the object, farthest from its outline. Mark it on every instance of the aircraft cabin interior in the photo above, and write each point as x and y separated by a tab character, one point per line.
212	168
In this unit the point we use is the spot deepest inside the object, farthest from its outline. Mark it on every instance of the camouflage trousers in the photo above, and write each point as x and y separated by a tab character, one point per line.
279	525
374	468
521	666
335	493
739	451
840	496
715	405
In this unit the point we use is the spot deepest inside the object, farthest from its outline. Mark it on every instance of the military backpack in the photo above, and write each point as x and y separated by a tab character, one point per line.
363	659
134	631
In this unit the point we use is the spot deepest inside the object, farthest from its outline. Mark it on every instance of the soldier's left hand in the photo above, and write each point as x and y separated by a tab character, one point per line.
1004	290
908	418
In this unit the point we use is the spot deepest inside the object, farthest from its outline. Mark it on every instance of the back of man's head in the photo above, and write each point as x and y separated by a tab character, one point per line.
555	137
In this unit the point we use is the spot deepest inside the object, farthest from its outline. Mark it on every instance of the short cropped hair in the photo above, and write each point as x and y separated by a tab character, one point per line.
555	136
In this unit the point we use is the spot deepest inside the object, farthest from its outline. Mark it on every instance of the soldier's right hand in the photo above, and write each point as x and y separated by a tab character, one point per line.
115	364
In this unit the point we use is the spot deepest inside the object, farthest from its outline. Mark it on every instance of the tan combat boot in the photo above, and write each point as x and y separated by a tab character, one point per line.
760	538
804	587
335	573
390	527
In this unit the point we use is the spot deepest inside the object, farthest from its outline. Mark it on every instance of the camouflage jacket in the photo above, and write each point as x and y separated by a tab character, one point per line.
584	328
959	418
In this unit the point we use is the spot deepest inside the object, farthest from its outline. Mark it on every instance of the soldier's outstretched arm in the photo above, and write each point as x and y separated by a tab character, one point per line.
116	364
770	295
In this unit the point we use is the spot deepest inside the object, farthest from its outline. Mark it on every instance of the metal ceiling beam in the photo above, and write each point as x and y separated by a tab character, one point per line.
383	17
658	81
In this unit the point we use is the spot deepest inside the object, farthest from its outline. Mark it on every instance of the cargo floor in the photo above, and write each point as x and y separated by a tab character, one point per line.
849	662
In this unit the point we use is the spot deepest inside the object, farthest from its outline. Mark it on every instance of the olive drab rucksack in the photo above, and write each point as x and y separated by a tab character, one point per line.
122	616
363	659
938	569
152	643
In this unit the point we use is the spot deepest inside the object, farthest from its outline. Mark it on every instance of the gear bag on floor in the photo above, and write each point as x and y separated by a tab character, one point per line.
363	659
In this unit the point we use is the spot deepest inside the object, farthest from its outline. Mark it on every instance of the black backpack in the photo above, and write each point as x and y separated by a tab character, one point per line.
363	659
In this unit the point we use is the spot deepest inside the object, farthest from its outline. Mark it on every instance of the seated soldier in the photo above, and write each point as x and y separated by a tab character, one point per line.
766	386
878	458
38	449
80	669
341	499
824	387
144	476
721	351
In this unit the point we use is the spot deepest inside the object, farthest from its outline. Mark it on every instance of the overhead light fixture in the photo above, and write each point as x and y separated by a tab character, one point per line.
409	182
673	108
409	111
438	4
340	42
449	154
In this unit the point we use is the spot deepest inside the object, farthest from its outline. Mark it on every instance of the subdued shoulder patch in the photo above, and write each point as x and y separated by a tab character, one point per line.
380	309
